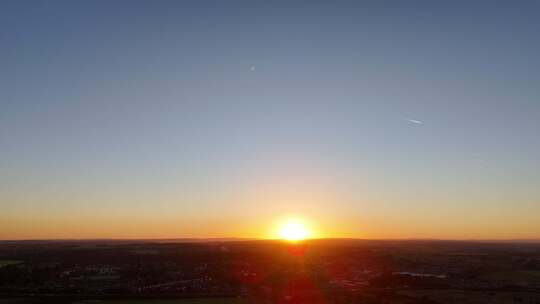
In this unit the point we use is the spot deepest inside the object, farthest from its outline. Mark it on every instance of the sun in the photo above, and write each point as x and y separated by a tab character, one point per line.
294	230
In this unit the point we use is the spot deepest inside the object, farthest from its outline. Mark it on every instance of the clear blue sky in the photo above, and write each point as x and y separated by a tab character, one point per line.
215	118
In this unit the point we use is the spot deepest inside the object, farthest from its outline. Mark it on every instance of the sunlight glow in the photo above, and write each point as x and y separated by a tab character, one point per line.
294	230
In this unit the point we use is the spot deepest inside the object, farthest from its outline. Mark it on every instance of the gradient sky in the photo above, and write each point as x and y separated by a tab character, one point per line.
371	119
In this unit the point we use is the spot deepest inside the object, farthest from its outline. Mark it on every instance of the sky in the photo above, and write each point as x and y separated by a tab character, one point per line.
365	119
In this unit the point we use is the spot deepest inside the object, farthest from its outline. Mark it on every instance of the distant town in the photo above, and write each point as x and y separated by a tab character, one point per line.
312	271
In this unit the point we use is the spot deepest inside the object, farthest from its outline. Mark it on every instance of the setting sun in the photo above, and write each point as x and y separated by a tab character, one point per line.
294	230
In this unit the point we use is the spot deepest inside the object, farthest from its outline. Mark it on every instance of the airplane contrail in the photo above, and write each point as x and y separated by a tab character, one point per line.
415	121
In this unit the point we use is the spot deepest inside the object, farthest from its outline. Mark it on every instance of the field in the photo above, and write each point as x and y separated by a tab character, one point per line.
177	301
451	296
515	277
8	262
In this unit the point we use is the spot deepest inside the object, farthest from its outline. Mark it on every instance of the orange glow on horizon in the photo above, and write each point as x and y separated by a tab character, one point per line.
294	230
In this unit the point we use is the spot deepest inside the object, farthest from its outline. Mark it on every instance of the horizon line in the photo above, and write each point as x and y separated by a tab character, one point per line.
241	239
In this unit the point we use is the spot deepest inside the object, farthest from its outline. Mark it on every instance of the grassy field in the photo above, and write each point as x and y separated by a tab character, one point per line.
473	297
177	301
514	276
8	262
